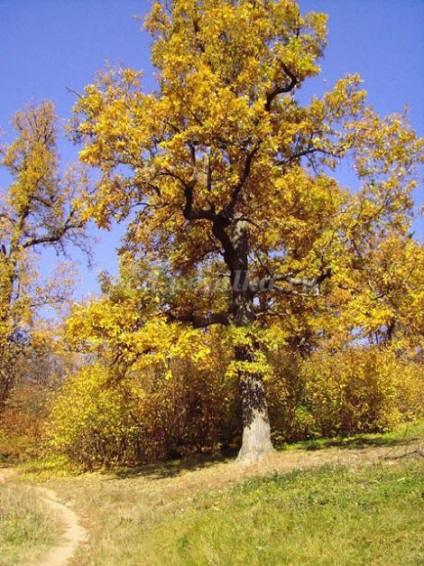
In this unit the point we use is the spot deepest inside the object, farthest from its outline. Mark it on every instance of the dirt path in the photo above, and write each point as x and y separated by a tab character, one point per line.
73	536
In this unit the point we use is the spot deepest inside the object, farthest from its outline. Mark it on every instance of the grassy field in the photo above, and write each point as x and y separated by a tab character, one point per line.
321	517
26	528
358	503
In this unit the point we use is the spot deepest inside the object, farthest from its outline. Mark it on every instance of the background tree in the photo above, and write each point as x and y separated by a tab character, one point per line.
37	211
223	169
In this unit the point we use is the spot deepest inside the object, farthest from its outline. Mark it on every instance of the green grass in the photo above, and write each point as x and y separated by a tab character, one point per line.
26	529
365	515
46	468
322	517
186	513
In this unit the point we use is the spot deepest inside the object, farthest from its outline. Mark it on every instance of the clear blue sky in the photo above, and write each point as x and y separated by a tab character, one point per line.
48	45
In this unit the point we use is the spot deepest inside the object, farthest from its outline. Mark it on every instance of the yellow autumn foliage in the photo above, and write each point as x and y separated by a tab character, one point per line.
341	393
225	171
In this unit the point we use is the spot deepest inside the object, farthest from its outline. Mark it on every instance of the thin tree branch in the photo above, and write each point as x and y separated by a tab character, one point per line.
72	91
283	89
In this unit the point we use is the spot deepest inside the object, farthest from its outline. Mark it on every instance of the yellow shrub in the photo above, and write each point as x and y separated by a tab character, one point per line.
100	419
92	419
344	392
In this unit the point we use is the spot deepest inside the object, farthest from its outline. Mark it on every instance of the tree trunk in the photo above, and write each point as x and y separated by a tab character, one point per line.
256	440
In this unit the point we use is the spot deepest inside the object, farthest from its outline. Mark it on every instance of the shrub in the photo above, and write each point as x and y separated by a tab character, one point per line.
93	419
345	392
22	422
100	419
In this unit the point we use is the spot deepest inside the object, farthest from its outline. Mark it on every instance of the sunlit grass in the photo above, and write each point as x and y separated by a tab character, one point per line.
320	517
26	527
326	516
364	514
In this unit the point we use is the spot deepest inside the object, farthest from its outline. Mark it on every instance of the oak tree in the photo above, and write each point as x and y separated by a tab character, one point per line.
224	170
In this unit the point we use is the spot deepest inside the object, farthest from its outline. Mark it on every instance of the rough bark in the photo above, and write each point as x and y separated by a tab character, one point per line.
256	440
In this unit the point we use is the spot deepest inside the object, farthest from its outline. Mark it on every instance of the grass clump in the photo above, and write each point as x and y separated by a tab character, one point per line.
26	529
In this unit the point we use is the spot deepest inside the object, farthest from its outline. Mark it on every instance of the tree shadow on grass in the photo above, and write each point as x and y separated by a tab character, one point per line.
412	434
172	468
406	436
356	442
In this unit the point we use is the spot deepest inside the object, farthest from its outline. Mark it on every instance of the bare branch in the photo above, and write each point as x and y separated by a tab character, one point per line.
72	91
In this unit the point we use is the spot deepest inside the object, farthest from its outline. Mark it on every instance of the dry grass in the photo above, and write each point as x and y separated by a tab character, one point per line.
26	527
175	513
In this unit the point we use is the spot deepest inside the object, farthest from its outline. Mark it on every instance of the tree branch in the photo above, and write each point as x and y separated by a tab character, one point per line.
281	89
189	213
72	91
198	321
229	209
308	283
53	238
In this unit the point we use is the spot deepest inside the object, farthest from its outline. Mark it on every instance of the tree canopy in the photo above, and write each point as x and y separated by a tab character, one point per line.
222	170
